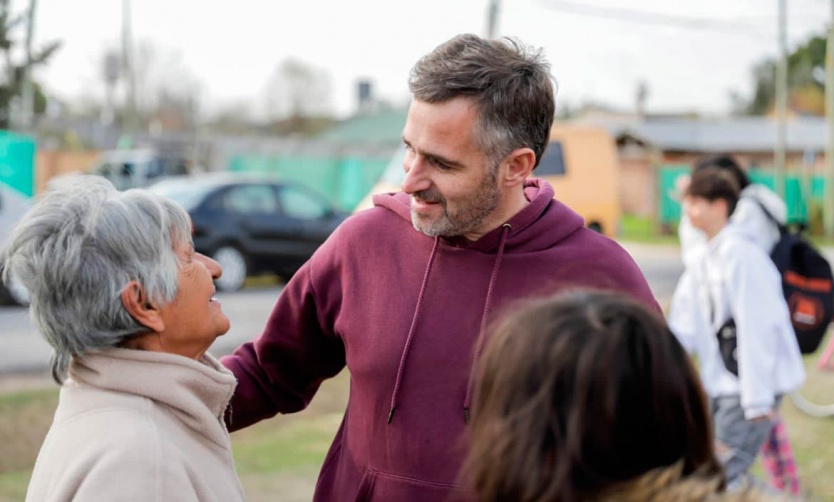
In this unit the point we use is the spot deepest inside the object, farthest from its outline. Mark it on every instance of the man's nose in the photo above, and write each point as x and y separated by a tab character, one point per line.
416	173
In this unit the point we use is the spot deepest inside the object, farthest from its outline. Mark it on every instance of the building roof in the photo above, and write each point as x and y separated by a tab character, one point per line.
735	134
384	125
741	134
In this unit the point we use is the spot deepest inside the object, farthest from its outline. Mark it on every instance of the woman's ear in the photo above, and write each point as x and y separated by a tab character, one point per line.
141	308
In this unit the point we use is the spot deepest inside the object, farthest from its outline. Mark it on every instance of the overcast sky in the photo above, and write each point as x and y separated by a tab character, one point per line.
596	53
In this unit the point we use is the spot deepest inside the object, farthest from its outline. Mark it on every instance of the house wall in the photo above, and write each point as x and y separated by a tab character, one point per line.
754	160
49	163
638	187
638	184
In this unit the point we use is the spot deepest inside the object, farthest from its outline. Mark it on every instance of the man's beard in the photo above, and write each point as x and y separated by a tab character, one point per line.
469	214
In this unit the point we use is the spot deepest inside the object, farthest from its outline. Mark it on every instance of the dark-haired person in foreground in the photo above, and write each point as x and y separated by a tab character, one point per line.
400	293
587	396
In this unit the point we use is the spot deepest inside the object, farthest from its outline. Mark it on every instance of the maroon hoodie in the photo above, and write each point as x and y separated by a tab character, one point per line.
405	311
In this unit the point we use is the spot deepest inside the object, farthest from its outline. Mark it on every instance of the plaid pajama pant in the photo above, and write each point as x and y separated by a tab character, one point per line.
778	460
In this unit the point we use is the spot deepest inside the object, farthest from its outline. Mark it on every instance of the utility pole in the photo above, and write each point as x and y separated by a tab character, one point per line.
27	97
131	122
492	18
781	102
828	201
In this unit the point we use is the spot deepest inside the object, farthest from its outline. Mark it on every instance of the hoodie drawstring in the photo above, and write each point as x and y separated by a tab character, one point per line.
506	228
411	330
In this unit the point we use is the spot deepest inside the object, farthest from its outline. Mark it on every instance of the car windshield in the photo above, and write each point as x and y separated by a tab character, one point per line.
187	194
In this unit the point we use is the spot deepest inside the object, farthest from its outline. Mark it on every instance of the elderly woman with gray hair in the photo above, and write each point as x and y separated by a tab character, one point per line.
128	308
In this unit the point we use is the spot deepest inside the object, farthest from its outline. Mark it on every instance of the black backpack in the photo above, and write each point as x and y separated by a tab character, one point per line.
806	283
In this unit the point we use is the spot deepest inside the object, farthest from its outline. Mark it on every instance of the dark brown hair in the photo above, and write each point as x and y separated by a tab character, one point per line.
726	162
578	393
509	83
714	183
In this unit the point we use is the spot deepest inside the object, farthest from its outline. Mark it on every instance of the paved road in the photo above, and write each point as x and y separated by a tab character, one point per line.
23	350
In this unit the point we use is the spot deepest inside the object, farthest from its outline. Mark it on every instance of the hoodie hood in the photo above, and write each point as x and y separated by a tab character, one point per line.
515	233
768	198
197	392
521	234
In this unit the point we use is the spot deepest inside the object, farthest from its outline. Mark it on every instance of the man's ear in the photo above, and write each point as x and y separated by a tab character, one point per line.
141	308
519	165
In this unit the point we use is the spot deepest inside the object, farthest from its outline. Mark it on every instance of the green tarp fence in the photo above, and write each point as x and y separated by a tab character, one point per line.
801	192
343	180
17	162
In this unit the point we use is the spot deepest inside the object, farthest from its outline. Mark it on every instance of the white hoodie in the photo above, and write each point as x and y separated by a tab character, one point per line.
741	282
748	216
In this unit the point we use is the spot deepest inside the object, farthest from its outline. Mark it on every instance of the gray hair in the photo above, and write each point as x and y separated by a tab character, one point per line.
510	84
78	247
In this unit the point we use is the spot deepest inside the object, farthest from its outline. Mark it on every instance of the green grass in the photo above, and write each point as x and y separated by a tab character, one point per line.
809	435
279	459
20	399
25	417
13	485
645	230
642	229
295	445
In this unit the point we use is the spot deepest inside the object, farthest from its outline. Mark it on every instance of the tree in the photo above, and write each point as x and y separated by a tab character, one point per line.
168	94
806	90
298	98
15	64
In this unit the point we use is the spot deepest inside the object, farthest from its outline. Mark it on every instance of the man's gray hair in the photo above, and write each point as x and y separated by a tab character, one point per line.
76	250
509	83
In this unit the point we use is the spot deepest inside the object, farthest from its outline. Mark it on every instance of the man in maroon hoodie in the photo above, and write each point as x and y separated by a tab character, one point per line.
401	293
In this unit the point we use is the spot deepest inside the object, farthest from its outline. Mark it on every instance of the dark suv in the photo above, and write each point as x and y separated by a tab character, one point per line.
252	224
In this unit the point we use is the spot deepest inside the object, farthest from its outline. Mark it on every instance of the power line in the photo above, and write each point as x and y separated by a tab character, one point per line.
654	18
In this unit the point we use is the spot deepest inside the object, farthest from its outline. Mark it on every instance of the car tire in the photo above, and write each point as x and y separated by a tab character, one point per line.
235	268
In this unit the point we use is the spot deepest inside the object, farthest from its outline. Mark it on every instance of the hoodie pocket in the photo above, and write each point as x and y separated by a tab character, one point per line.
378	487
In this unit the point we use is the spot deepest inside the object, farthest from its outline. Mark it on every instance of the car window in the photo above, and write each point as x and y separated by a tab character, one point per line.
127	169
120	174
553	161
166	167
188	194
155	169
250	199
299	203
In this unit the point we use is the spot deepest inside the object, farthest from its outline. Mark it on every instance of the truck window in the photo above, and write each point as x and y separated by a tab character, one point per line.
552	162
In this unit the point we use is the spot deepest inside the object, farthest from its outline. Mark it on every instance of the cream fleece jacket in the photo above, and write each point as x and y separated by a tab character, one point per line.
135	425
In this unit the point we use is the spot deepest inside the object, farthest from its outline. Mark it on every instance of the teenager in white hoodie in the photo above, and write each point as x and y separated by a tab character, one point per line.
734	279
749	216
